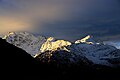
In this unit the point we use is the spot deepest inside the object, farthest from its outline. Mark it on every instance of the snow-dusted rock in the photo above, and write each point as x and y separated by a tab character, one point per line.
98	53
50	49
26	41
113	43
88	40
94	52
85	49
51	44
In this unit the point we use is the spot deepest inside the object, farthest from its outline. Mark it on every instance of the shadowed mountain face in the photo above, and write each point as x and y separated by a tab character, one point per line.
16	62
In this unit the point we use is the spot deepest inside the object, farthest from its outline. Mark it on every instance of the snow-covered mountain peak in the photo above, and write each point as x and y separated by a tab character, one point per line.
51	39
13	34
88	40
83	49
51	44
26	41
10	33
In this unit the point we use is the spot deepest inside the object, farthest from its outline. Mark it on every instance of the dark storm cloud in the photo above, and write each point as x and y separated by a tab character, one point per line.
63	19
100	19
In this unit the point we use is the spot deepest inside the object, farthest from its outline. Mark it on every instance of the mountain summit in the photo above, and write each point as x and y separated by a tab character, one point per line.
88	40
51	44
26	41
52	57
51	49
15	62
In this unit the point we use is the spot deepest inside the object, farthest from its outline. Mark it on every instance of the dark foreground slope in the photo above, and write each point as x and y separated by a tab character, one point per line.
15	62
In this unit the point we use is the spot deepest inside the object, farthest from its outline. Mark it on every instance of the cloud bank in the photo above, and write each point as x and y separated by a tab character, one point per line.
64	19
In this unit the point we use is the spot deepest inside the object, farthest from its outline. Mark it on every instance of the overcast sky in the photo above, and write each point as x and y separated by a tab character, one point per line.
63	19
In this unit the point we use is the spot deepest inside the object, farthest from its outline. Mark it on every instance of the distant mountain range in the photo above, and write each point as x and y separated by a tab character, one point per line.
22	52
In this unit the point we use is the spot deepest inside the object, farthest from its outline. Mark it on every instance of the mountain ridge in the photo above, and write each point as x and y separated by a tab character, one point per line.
95	52
15	62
